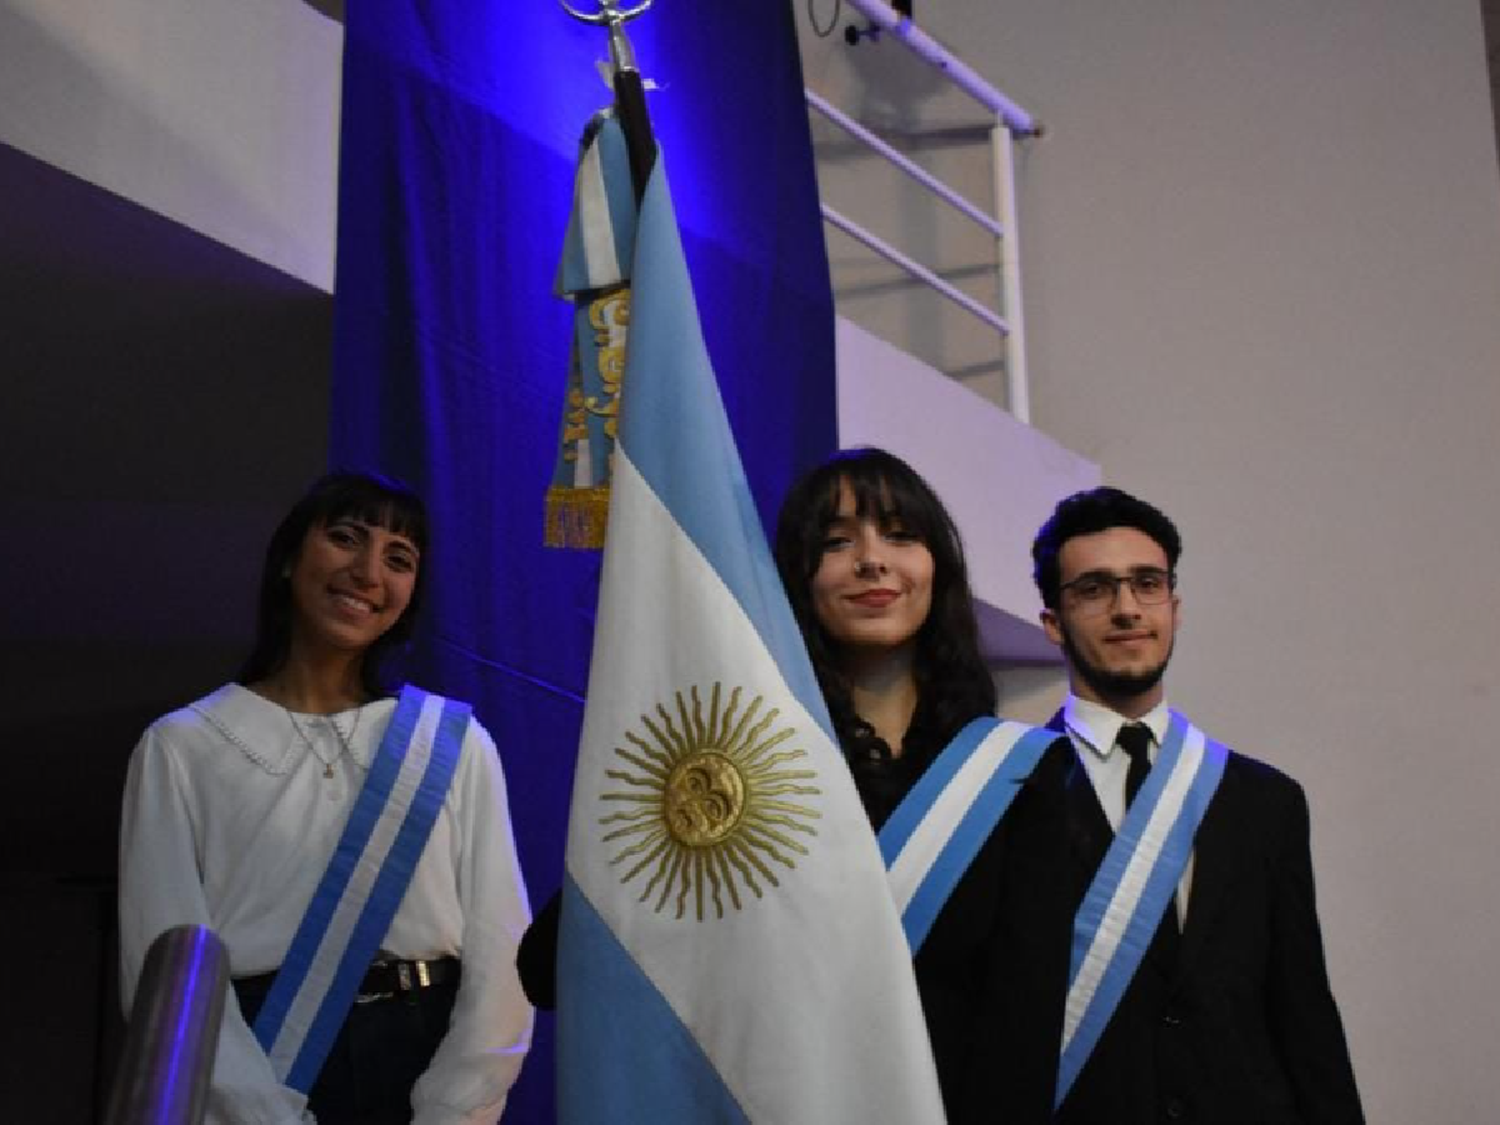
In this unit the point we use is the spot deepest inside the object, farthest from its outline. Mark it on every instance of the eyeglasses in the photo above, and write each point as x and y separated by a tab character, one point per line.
1097	590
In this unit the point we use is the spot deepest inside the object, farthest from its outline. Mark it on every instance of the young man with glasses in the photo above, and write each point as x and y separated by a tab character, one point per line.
1196	989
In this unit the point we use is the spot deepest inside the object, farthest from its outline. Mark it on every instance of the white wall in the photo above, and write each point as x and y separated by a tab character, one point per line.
1263	277
219	114
996	476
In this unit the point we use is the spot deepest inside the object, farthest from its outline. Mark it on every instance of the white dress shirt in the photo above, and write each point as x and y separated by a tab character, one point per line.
1093	730
232	809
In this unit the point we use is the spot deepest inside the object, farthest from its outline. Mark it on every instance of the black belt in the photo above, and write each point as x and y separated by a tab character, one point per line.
383	979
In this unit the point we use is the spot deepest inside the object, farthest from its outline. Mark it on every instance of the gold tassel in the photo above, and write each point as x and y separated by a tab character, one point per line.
576	517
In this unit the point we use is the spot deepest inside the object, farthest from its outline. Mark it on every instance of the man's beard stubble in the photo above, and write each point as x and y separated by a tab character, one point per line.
1113	685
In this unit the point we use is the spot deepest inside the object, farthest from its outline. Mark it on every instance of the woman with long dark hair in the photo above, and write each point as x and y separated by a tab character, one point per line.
353	850
875	573
874	569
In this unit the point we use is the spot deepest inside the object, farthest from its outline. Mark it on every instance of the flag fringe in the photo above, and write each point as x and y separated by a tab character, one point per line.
576	517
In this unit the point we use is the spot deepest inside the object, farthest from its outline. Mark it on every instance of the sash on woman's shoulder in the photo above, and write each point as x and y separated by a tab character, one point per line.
366	879
1133	887
939	827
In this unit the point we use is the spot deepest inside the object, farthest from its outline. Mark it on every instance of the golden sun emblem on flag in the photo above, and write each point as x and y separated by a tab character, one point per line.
711	804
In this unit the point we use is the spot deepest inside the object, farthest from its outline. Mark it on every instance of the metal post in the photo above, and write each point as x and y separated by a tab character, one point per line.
173	1036
1012	123
1017	389
916	269
901	161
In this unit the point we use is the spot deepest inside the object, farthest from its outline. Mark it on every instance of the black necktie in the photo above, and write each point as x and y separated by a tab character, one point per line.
1135	740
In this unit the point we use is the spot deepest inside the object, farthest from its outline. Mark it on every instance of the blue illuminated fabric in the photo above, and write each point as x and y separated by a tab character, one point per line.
459	135
363	885
940	825
1133	887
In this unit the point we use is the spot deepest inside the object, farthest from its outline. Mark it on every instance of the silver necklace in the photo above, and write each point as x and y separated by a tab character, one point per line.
345	740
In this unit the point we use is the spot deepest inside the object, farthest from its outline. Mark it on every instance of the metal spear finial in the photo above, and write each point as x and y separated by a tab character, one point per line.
614	17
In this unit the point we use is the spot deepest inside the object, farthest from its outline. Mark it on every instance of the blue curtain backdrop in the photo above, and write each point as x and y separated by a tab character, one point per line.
460	125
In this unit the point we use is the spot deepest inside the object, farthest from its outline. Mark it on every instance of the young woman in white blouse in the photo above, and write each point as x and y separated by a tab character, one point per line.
235	805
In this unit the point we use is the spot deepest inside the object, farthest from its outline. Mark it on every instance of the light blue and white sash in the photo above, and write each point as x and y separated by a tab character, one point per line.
366	879
938	828
1133	887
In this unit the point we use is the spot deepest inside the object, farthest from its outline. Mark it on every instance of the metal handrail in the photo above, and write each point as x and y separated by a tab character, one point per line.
915	268
905	163
1011	122
883	16
168	1058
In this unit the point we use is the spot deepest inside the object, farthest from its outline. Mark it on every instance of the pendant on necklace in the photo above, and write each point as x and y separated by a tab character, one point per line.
327	769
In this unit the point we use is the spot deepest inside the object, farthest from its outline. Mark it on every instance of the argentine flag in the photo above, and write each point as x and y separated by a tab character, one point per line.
729	949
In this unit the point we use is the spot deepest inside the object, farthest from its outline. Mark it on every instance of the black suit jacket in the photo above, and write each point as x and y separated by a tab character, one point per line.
1242	1027
993	970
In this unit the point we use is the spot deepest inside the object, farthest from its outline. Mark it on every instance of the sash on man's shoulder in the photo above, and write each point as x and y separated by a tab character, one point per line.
363	886
938	828
1133	887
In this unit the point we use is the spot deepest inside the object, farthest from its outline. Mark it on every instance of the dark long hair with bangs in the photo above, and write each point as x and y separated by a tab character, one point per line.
953	682
346	494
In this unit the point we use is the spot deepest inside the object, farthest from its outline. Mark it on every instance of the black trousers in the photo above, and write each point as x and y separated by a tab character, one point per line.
381	1051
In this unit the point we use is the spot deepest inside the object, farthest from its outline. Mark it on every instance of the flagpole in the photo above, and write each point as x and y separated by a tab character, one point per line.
630	90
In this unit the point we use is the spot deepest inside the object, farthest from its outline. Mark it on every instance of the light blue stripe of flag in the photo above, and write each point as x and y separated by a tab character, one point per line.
674	402
753	1009
679	1082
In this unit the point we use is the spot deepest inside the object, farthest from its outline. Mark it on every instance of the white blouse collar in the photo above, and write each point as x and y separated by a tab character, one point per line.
266	733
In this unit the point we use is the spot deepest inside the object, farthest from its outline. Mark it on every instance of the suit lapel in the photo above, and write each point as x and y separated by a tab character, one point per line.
1089	833
1216	860
1089	838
